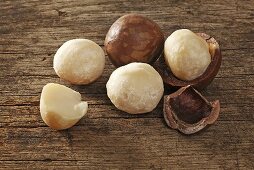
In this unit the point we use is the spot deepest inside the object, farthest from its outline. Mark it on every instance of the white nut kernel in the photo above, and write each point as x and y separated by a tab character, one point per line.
135	88
79	61
187	54
61	107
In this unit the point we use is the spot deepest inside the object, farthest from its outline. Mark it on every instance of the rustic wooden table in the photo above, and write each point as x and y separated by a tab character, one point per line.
32	31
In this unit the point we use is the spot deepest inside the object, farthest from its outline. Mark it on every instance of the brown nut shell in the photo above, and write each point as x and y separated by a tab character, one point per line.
134	38
188	111
202	81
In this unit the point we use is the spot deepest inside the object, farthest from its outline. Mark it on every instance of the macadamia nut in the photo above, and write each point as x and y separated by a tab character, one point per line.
60	106
187	54
134	38
79	61
135	88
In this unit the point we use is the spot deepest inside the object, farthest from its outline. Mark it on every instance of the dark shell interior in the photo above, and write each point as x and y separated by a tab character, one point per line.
190	106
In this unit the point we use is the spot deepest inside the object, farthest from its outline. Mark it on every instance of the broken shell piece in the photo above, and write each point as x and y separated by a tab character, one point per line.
188	111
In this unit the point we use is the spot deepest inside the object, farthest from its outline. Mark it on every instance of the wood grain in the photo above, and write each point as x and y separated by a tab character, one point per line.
32	31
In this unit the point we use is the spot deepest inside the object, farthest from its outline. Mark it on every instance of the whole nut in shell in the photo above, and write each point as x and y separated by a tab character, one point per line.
134	38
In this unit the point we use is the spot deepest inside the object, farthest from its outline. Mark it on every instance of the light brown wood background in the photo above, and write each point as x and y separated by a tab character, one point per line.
32	31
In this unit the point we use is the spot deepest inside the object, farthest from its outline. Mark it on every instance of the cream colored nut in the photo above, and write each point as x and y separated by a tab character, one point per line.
79	61
135	88
61	107
187	54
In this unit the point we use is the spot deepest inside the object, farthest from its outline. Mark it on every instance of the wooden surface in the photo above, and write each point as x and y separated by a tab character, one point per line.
32	31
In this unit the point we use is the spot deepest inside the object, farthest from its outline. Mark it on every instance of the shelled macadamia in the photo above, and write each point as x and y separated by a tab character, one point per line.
135	88
187	54
79	61
60	106
189	59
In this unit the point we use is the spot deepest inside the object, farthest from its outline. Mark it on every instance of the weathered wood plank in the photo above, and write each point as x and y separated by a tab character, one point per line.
234	63
29	116
140	143
53	23
32	86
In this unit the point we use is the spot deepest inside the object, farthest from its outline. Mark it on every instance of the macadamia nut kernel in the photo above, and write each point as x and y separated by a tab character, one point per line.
60	106
135	88
187	54
79	61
